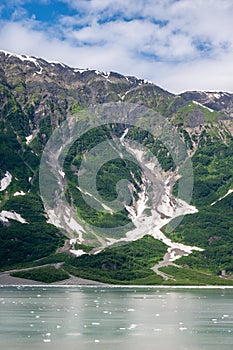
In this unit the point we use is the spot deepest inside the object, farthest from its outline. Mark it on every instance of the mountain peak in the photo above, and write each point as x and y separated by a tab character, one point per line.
107	75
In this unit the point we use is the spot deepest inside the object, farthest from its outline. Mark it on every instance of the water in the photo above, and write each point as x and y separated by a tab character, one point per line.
87	318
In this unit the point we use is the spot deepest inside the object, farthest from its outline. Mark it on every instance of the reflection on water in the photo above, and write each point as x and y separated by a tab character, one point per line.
86	318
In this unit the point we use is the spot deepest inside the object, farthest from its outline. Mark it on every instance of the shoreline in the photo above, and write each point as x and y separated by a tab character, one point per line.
9	281
6	280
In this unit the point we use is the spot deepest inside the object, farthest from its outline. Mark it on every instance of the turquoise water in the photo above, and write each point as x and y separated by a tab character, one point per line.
115	318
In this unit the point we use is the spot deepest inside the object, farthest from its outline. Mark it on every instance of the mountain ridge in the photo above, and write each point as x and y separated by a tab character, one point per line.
206	96
38	96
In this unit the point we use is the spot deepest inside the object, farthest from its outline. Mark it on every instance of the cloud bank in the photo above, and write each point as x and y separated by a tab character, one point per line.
178	44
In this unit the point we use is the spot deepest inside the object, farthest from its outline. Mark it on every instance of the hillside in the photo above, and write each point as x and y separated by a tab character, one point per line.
97	162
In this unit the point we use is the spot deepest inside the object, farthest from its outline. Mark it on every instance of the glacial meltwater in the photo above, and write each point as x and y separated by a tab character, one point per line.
117	318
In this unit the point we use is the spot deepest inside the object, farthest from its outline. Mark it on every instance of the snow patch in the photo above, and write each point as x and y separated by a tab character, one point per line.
212	95
105	75
124	135
76	70
19	193
5	215
138	208
73	241
78	252
57	62
25	58
227	194
217	95
165	207
53	218
199	104
72	224
123	96
147	81
61	172
28	139
97	200
62	218
5	182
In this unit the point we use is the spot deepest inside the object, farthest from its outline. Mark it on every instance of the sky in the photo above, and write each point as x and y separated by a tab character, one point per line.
179	45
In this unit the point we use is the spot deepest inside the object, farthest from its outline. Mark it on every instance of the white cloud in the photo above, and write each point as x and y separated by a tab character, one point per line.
184	44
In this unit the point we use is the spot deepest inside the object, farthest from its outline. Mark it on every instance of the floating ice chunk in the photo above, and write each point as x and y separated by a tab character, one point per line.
132	326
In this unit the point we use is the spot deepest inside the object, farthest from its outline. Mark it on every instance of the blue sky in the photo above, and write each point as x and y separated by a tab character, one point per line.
178	44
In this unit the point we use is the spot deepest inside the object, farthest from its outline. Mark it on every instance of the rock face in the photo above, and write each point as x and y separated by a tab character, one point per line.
37	96
49	89
218	101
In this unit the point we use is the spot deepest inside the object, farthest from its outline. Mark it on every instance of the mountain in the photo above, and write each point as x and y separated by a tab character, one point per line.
113	178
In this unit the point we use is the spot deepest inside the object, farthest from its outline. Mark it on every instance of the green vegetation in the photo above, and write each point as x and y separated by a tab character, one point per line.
192	111
187	276
213	172
210	229
107	178
127	263
75	108
27	242
30	106
47	274
155	146
109	174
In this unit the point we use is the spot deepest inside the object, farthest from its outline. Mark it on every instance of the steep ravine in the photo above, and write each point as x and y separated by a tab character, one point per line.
156	188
